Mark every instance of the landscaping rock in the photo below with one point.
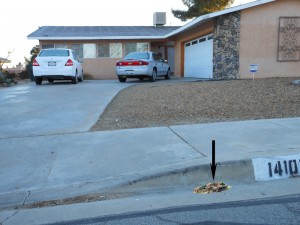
(296, 82)
(166, 104)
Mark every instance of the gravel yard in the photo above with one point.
(164, 104)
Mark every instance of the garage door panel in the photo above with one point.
(198, 59)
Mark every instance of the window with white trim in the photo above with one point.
(103, 50)
(136, 47)
(61, 46)
(130, 47)
(78, 49)
(47, 46)
(115, 50)
(89, 50)
(142, 47)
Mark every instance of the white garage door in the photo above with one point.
(198, 57)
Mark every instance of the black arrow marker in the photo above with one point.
(213, 166)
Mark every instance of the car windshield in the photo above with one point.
(138, 55)
(54, 52)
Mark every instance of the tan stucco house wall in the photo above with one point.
(259, 39)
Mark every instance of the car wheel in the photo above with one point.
(168, 75)
(153, 77)
(75, 79)
(122, 79)
(50, 80)
(38, 80)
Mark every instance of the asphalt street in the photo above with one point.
(254, 201)
(273, 211)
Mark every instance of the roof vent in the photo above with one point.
(159, 19)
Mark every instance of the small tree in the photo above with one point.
(200, 7)
(28, 62)
(34, 52)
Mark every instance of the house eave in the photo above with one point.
(99, 38)
(210, 16)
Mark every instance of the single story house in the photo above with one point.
(219, 45)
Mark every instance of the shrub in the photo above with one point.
(24, 75)
(6, 79)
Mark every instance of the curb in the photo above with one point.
(132, 184)
(241, 170)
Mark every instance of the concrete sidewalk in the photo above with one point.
(41, 168)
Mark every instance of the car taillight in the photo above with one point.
(132, 63)
(143, 63)
(69, 63)
(35, 63)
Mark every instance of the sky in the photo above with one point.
(19, 18)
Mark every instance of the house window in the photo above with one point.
(202, 39)
(74, 55)
(78, 49)
(136, 47)
(103, 50)
(89, 50)
(61, 46)
(110, 50)
(130, 47)
(142, 47)
(115, 50)
(47, 46)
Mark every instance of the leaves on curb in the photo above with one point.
(77, 199)
(211, 188)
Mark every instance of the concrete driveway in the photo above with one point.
(28, 110)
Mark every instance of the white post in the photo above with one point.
(253, 69)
